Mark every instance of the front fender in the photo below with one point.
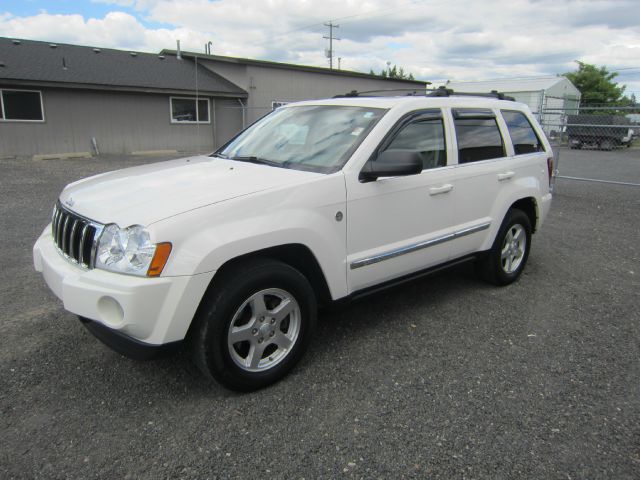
(204, 239)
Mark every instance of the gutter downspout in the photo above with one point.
(243, 112)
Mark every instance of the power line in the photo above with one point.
(331, 38)
(379, 10)
(362, 14)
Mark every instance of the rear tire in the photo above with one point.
(254, 325)
(606, 145)
(508, 255)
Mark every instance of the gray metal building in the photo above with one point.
(55, 99)
(60, 99)
(270, 84)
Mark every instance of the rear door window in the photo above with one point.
(478, 135)
(522, 134)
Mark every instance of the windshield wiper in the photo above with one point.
(219, 155)
(258, 160)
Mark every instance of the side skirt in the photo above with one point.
(365, 292)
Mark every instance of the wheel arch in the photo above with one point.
(530, 207)
(297, 255)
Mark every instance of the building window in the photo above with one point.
(478, 135)
(184, 110)
(276, 104)
(21, 105)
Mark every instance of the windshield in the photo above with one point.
(319, 138)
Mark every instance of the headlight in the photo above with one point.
(129, 250)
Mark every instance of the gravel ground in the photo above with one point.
(444, 378)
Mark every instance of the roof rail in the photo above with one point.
(438, 92)
(355, 93)
(447, 92)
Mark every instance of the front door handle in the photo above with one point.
(447, 187)
(505, 176)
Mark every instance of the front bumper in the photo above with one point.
(128, 346)
(151, 311)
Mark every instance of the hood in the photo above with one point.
(149, 193)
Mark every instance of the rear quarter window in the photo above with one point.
(523, 136)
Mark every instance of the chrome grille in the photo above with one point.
(74, 236)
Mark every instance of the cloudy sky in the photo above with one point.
(433, 39)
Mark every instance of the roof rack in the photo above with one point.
(447, 92)
(355, 93)
(438, 92)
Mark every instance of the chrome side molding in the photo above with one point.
(418, 246)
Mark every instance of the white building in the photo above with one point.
(549, 98)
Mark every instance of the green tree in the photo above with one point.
(597, 86)
(393, 72)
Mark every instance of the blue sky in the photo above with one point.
(433, 39)
(25, 8)
(88, 9)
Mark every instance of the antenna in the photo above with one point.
(331, 38)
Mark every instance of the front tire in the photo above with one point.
(254, 325)
(508, 255)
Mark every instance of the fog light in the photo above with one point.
(110, 311)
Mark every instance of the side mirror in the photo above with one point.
(392, 163)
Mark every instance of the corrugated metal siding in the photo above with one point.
(563, 88)
(532, 99)
(270, 84)
(265, 85)
(235, 73)
(228, 115)
(126, 122)
(120, 122)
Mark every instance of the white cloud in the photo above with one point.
(120, 3)
(434, 39)
(116, 30)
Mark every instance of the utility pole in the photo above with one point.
(331, 38)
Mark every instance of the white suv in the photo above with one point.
(318, 201)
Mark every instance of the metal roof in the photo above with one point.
(34, 62)
(292, 66)
(512, 84)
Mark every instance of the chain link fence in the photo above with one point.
(598, 145)
(601, 128)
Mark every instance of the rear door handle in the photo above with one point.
(505, 176)
(447, 187)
